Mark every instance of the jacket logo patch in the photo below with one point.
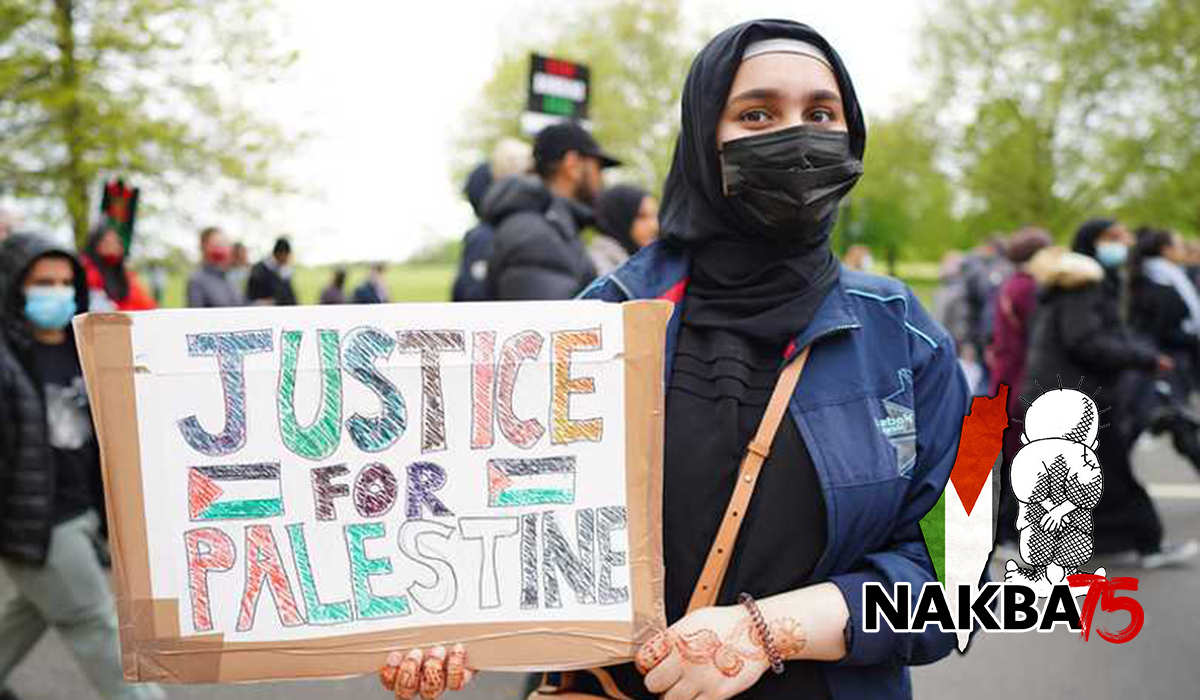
(899, 426)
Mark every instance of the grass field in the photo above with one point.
(408, 283)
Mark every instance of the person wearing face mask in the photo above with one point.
(627, 219)
(114, 287)
(49, 468)
(1079, 338)
(865, 393)
(209, 285)
(271, 279)
(537, 251)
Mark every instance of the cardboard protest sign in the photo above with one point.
(294, 492)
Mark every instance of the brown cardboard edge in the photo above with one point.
(105, 350)
(153, 650)
(645, 333)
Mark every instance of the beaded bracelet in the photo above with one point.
(764, 632)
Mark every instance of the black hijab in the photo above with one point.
(616, 210)
(116, 281)
(1088, 233)
(759, 287)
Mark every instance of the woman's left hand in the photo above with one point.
(710, 654)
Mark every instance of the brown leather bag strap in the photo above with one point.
(717, 562)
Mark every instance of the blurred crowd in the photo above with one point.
(1116, 313)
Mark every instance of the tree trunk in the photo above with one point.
(75, 196)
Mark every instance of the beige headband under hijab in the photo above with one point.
(783, 45)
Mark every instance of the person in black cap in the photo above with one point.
(271, 279)
(538, 253)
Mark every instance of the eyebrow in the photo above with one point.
(820, 95)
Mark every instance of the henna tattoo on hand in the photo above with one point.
(456, 668)
(744, 644)
(699, 647)
(746, 640)
(728, 661)
(387, 676)
(789, 637)
(433, 678)
(408, 678)
(705, 647)
(653, 652)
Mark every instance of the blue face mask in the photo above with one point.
(1112, 254)
(50, 308)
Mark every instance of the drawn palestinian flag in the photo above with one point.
(960, 529)
(529, 482)
(234, 492)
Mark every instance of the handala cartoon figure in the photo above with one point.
(1057, 481)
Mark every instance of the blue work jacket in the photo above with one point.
(880, 407)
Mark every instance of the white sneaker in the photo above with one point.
(1170, 554)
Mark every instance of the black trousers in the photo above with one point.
(1125, 518)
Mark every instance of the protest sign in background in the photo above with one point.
(296, 492)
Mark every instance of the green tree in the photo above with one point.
(1064, 109)
(902, 206)
(1160, 135)
(1033, 83)
(638, 54)
(145, 89)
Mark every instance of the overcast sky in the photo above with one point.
(383, 86)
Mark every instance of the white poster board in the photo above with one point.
(404, 473)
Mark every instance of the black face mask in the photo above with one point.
(789, 182)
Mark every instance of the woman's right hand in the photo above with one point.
(426, 674)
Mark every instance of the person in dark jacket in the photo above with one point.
(271, 279)
(1165, 308)
(509, 157)
(627, 218)
(1080, 339)
(470, 284)
(49, 463)
(373, 290)
(1013, 312)
(872, 427)
(538, 253)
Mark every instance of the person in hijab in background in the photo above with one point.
(1013, 312)
(1080, 340)
(113, 286)
(627, 217)
(772, 138)
(1165, 308)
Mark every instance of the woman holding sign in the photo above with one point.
(764, 581)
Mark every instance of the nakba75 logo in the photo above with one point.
(1057, 482)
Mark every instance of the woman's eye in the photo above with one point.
(754, 116)
(821, 116)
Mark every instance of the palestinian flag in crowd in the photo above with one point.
(118, 208)
(960, 529)
(234, 492)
